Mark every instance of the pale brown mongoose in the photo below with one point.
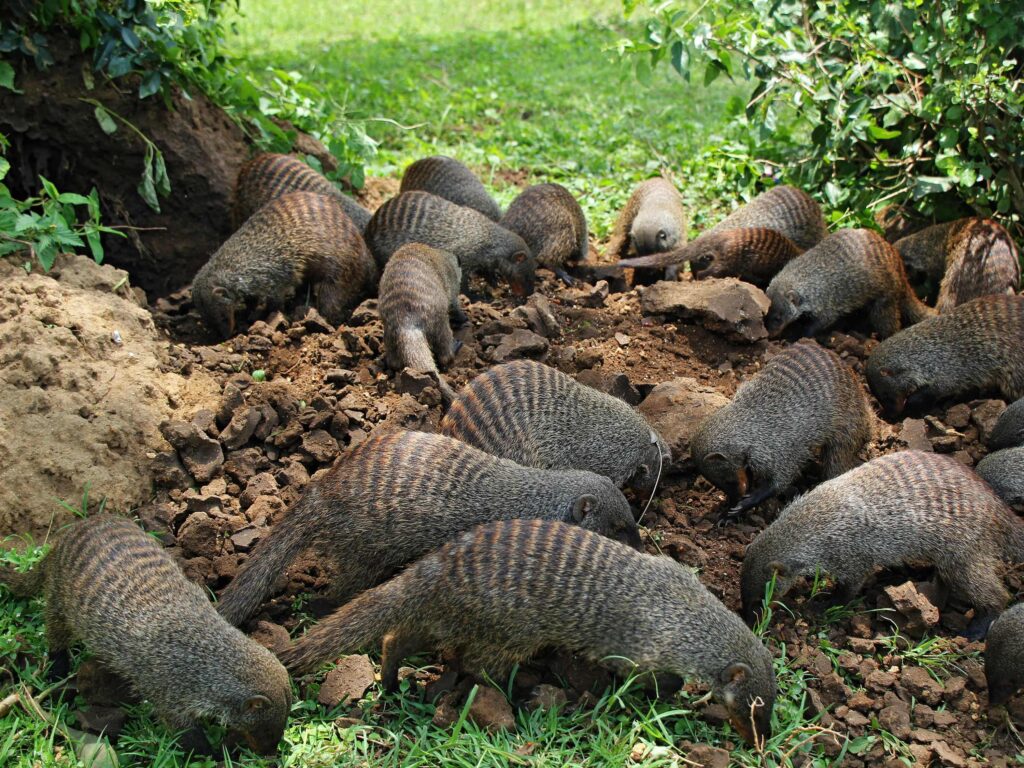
(905, 507)
(652, 221)
(501, 592)
(1004, 655)
(1004, 471)
(418, 291)
(753, 254)
(803, 401)
(852, 270)
(552, 223)
(268, 176)
(965, 259)
(480, 245)
(298, 238)
(111, 587)
(973, 348)
(397, 496)
(1009, 429)
(448, 178)
(538, 416)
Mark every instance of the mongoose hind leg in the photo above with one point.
(395, 647)
(442, 344)
(458, 316)
(331, 296)
(885, 317)
(977, 581)
(58, 642)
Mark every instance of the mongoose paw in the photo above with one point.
(456, 346)
(459, 318)
(978, 628)
(565, 277)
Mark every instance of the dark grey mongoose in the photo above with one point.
(113, 588)
(501, 592)
(552, 223)
(966, 258)
(295, 239)
(904, 507)
(1004, 471)
(397, 496)
(448, 178)
(1004, 655)
(805, 399)
(268, 176)
(418, 291)
(652, 221)
(1009, 429)
(538, 416)
(849, 271)
(973, 348)
(480, 245)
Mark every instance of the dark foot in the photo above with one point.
(459, 318)
(60, 666)
(456, 346)
(565, 277)
(194, 742)
(978, 628)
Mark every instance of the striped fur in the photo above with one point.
(804, 400)
(114, 589)
(418, 290)
(652, 221)
(300, 237)
(905, 507)
(853, 270)
(1009, 429)
(268, 176)
(501, 592)
(973, 348)
(753, 254)
(537, 416)
(551, 222)
(480, 245)
(397, 496)
(448, 178)
(1004, 655)
(1004, 471)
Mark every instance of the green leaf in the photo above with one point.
(51, 191)
(147, 189)
(150, 84)
(95, 246)
(72, 198)
(163, 181)
(5, 166)
(7, 77)
(105, 120)
(46, 252)
(877, 132)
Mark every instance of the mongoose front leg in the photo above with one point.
(459, 318)
(194, 742)
(749, 501)
(977, 629)
(564, 276)
(60, 665)
(394, 648)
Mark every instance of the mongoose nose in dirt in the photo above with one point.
(552, 223)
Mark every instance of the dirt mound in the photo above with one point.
(85, 380)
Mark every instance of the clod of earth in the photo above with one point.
(726, 305)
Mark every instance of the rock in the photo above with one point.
(539, 317)
(947, 755)
(446, 712)
(880, 681)
(985, 414)
(262, 484)
(914, 433)
(921, 685)
(320, 446)
(168, 470)
(491, 710)
(615, 384)
(959, 416)
(675, 408)
(708, 756)
(546, 696)
(919, 614)
(519, 343)
(247, 538)
(201, 454)
(199, 536)
(106, 720)
(231, 401)
(609, 273)
(586, 295)
(340, 377)
(365, 313)
(348, 681)
(896, 719)
(271, 636)
(622, 339)
(855, 719)
(241, 427)
(314, 322)
(412, 382)
(728, 306)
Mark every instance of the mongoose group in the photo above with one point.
(508, 531)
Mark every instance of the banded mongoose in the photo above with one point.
(301, 237)
(905, 507)
(538, 416)
(803, 401)
(268, 176)
(1004, 655)
(1009, 429)
(1004, 471)
(652, 221)
(973, 348)
(849, 271)
(552, 223)
(114, 589)
(418, 291)
(753, 254)
(480, 245)
(501, 592)
(966, 258)
(448, 178)
(397, 496)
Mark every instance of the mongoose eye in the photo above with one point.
(885, 372)
(662, 235)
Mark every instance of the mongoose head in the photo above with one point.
(747, 690)
(216, 303)
(728, 470)
(605, 511)
(259, 711)
(515, 262)
(789, 306)
(786, 571)
(656, 457)
(1009, 429)
(654, 231)
(708, 256)
(899, 378)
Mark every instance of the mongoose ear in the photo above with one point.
(778, 567)
(220, 291)
(793, 297)
(716, 456)
(736, 672)
(583, 506)
(256, 703)
(519, 258)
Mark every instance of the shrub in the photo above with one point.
(908, 102)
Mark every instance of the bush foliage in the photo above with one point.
(901, 101)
